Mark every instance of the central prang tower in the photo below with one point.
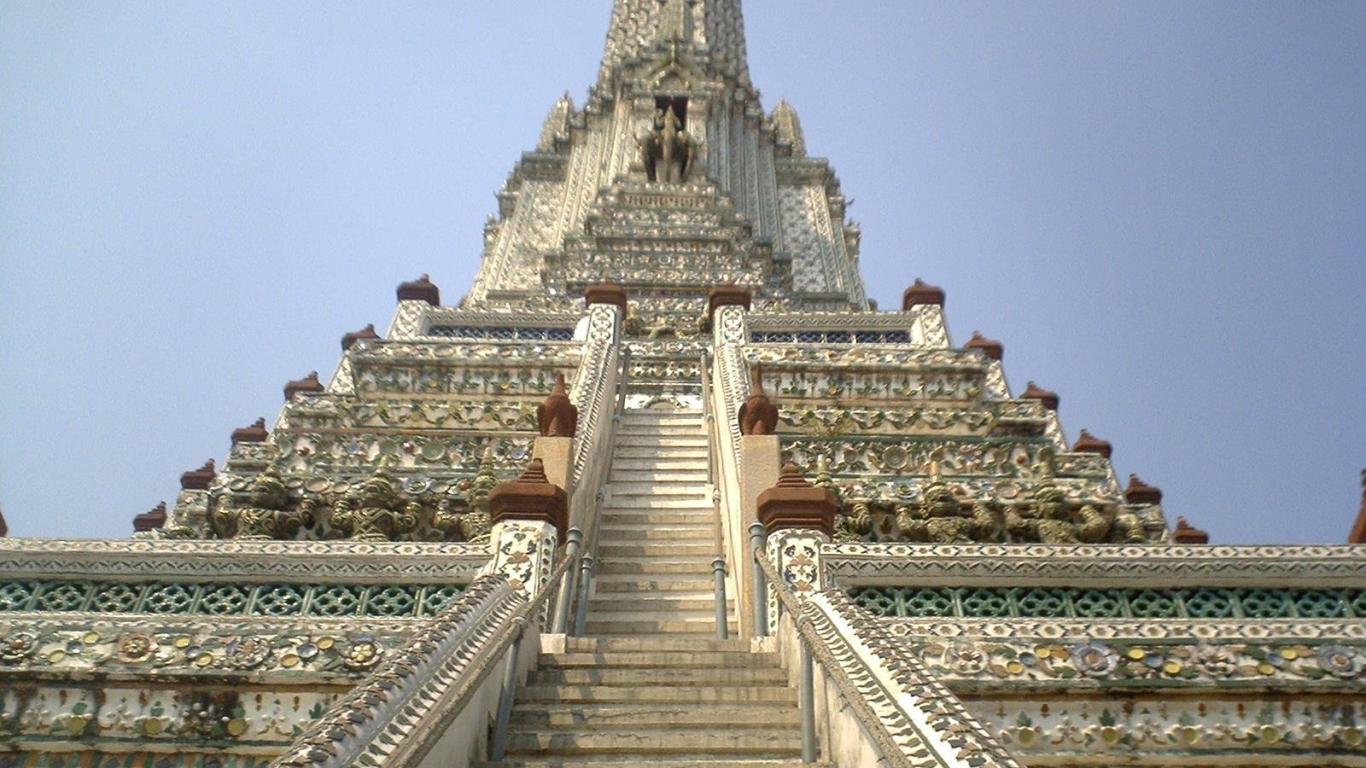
(666, 489)
(671, 181)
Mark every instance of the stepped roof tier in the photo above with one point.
(662, 488)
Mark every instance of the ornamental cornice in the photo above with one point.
(1119, 565)
(870, 356)
(778, 321)
(1178, 630)
(254, 651)
(458, 353)
(506, 317)
(352, 562)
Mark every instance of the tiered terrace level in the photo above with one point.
(666, 489)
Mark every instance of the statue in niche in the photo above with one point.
(265, 513)
(666, 150)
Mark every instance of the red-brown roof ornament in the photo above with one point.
(606, 293)
(758, 415)
(530, 497)
(253, 433)
(1357, 536)
(795, 503)
(307, 385)
(365, 334)
(1186, 534)
(557, 416)
(1139, 492)
(198, 479)
(4, 527)
(921, 292)
(151, 519)
(421, 289)
(1089, 443)
(990, 347)
(1048, 397)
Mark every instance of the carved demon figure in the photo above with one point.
(375, 510)
(265, 513)
(942, 518)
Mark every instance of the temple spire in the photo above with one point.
(712, 31)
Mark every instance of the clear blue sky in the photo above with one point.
(1159, 207)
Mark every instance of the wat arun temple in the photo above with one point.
(666, 488)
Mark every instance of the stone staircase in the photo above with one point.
(650, 684)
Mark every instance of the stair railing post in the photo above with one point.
(585, 583)
(499, 743)
(808, 706)
(760, 588)
(718, 569)
(572, 540)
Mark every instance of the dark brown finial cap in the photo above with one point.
(921, 292)
(1048, 397)
(4, 526)
(1356, 536)
(421, 289)
(990, 347)
(1139, 492)
(728, 296)
(151, 519)
(530, 497)
(793, 503)
(606, 293)
(365, 334)
(307, 385)
(1089, 443)
(198, 479)
(557, 416)
(1184, 533)
(253, 433)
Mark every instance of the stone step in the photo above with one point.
(632, 584)
(663, 517)
(609, 717)
(661, 430)
(656, 659)
(656, 464)
(690, 476)
(660, 441)
(770, 743)
(659, 491)
(689, 617)
(643, 502)
(656, 694)
(637, 414)
(655, 645)
(659, 453)
(693, 601)
(700, 625)
(650, 761)
(666, 549)
(651, 566)
(743, 676)
(702, 531)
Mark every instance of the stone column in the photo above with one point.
(798, 518)
(529, 516)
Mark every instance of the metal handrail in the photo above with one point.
(582, 577)
(718, 565)
(518, 625)
(813, 646)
